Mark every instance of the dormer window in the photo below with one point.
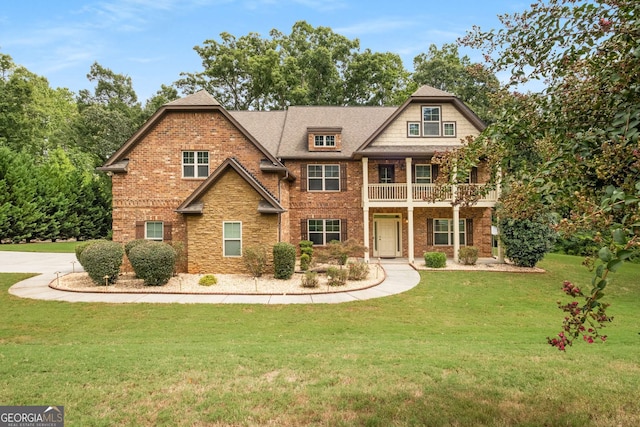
(324, 138)
(431, 121)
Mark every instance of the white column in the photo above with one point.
(456, 232)
(365, 206)
(410, 254)
(498, 193)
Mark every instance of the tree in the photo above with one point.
(584, 127)
(163, 96)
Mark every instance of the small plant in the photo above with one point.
(255, 259)
(310, 280)
(338, 252)
(153, 262)
(337, 276)
(102, 261)
(435, 259)
(284, 260)
(208, 280)
(468, 255)
(305, 261)
(358, 270)
(306, 247)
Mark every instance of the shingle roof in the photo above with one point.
(430, 91)
(200, 98)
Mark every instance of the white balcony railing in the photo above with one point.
(425, 192)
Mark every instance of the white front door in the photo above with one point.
(387, 237)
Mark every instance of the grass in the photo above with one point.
(57, 247)
(459, 349)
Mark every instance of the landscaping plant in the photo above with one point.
(435, 259)
(102, 261)
(284, 260)
(255, 259)
(153, 262)
(468, 255)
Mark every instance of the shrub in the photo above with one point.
(468, 255)
(337, 276)
(208, 280)
(526, 241)
(358, 270)
(80, 247)
(132, 244)
(284, 260)
(305, 260)
(306, 247)
(310, 279)
(102, 258)
(338, 252)
(255, 259)
(153, 262)
(435, 259)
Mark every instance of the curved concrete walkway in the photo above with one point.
(400, 278)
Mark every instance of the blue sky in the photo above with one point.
(152, 40)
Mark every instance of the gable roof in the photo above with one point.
(199, 101)
(193, 205)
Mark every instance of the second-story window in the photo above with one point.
(423, 174)
(323, 177)
(324, 140)
(195, 164)
(431, 121)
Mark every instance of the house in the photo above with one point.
(214, 181)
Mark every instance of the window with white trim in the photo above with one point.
(323, 231)
(413, 129)
(423, 174)
(323, 177)
(195, 164)
(449, 128)
(324, 141)
(232, 238)
(431, 121)
(154, 230)
(443, 232)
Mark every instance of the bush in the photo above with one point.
(208, 280)
(337, 276)
(435, 259)
(338, 252)
(284, 260)
(306, 247)
(102, 258)
(153, 262)
(305, 261)
(468, 255)
(526, 241)
(310, 280)
(80, 247)
(132, 244)
(255, 259)
(358, 270)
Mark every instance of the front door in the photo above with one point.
(386, 235)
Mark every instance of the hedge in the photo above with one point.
(153, 262)
(102, 258)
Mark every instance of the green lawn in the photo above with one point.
(459, 349)
(57, 247)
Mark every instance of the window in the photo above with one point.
(386, 174)
(232, 238)
(323, 177)
(413, 129)
(323, 231)
(325, 140)
(423, 174)
(449, 128)
(195, 164)
(431, 121)
(443, 232)
(153, 230)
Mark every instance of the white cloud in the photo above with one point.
(375, 27)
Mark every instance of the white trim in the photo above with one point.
(196, 164)
(231, 239)
(146, 230)
(323, 177)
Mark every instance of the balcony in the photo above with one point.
(426, 193)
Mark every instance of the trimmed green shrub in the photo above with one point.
(305, 260)
(526, 241)
(468, 255)
(337, 276)
(358, 270)
(153, 262)
(255, 259)
(102, 258)
(284, 260)
(208, 280)
(310, 279)
(435, 259)
(80, 247)
(133, 243)
(306, 247)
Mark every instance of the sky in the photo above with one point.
(152, 41)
